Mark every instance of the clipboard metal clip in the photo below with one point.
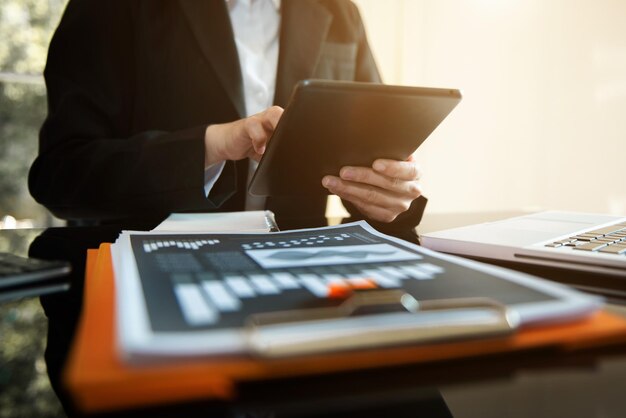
(376, 318)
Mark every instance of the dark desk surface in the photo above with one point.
(536, 384)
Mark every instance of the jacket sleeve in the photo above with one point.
(90, 163)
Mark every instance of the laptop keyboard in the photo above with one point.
(605, 240)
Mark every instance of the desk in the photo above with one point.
(532, 384)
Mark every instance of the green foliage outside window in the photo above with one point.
(26, 27)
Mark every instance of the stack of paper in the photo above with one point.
(183, 294)
(248, 221)
(207, 308)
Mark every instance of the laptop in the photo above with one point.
(591, 243)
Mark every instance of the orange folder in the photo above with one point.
(99, 379)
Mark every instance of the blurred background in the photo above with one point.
(541, 126)
(25, 30)
(543, 121)
(26, 27)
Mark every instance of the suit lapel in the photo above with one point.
(304, 26)
(211, 26)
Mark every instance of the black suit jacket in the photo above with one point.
(132, 85)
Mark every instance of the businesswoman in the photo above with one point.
(163, 106)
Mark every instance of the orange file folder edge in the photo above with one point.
(99, 380)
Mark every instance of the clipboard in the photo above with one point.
(186, 295)
(99, 380)
(433, 320)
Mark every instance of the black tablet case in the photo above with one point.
(331, 124)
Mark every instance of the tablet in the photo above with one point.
(331, 124)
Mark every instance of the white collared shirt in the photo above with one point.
(256, 26)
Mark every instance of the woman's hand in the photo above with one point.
(242, 138)
(381, 192)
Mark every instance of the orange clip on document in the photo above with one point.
(99, 380)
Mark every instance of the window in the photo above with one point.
(26, 27)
